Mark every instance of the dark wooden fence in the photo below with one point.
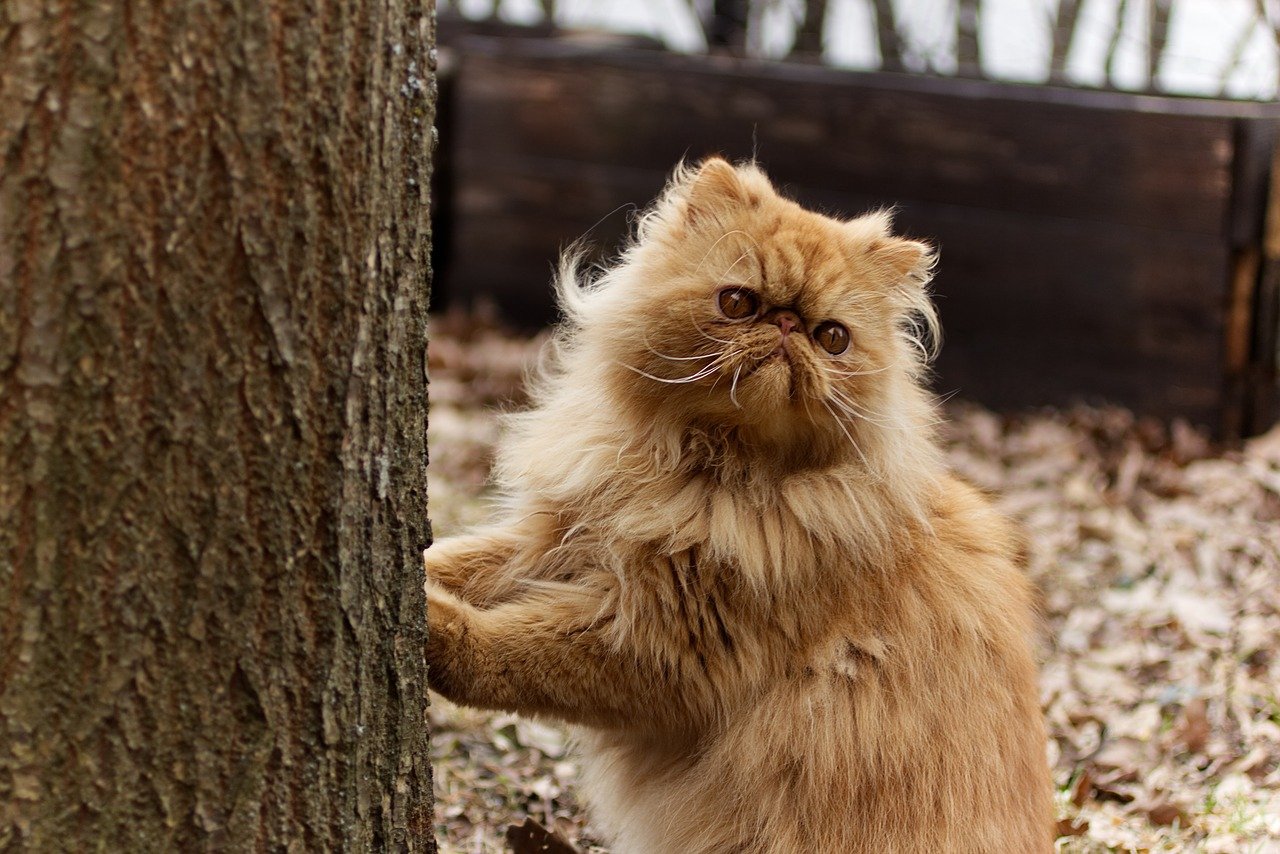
(1094, 245)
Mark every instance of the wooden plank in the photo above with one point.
(1036, 309)
(1251, 169)
(1264, 367)
(1238, 340)
(646, 109)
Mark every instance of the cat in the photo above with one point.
(732, 554)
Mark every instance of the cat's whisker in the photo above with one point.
(670, 358)
(807, 411)
(724, 236)
(844, 374)
(853, 410)
(704, 333)
(649, 346)
(701, 373)
(733, 387)
(856, 415)
(861, 407)
(899, 423)
(840, 423)
(725, 274)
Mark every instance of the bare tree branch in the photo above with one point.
(1113, 48)
(1272, 24)
(1239, 46)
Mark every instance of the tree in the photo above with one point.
(968, 38)
(213, 285)
(888, 36)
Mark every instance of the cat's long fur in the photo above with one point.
(782, 625)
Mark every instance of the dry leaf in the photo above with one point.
(1072, 827)
(533, 838)
(1166, 813)
(1082, 790)
(1193, 728)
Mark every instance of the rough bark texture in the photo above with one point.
(213, 286)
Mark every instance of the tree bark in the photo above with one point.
(213, 288)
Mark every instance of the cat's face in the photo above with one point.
(741, 308)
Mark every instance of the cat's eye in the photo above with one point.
(737, 303)
(832, 337)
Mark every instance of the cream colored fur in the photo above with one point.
(749, 577)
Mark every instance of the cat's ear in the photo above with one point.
(901, 261)
(904, 261)
(716, 189)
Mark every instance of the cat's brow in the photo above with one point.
(717, 243)
(731, 266)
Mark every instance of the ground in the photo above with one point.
(1158, 556)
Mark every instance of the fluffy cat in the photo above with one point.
(732, 553)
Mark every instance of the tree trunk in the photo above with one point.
(1158, 15)
(968, 38)
(809, 33)
(213, 287)
(727, 26)
(888, 37)
(1064, 31)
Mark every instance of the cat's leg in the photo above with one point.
(549, 655)
(474, 566)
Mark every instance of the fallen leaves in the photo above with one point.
(1158, 556)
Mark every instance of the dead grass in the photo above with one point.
(1159, 559)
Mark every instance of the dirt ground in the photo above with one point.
(1158, 555)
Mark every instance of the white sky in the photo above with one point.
(1014, 36)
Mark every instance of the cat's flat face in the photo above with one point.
(747, 310)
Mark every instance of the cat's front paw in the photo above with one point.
(445, 610)
(435, 563)
(447, 634)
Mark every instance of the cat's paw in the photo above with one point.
(446, 613)
(449, 563)
(435, 560)
(447, 637)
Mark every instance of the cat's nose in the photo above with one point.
(784, 320)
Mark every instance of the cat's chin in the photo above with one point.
(772, 385)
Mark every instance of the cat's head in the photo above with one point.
(736, 308)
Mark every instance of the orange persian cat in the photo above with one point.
(731, 552)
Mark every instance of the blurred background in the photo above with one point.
(1096, 172)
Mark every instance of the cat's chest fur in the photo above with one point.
(748, 582)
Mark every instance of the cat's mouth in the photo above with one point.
(780, 362)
